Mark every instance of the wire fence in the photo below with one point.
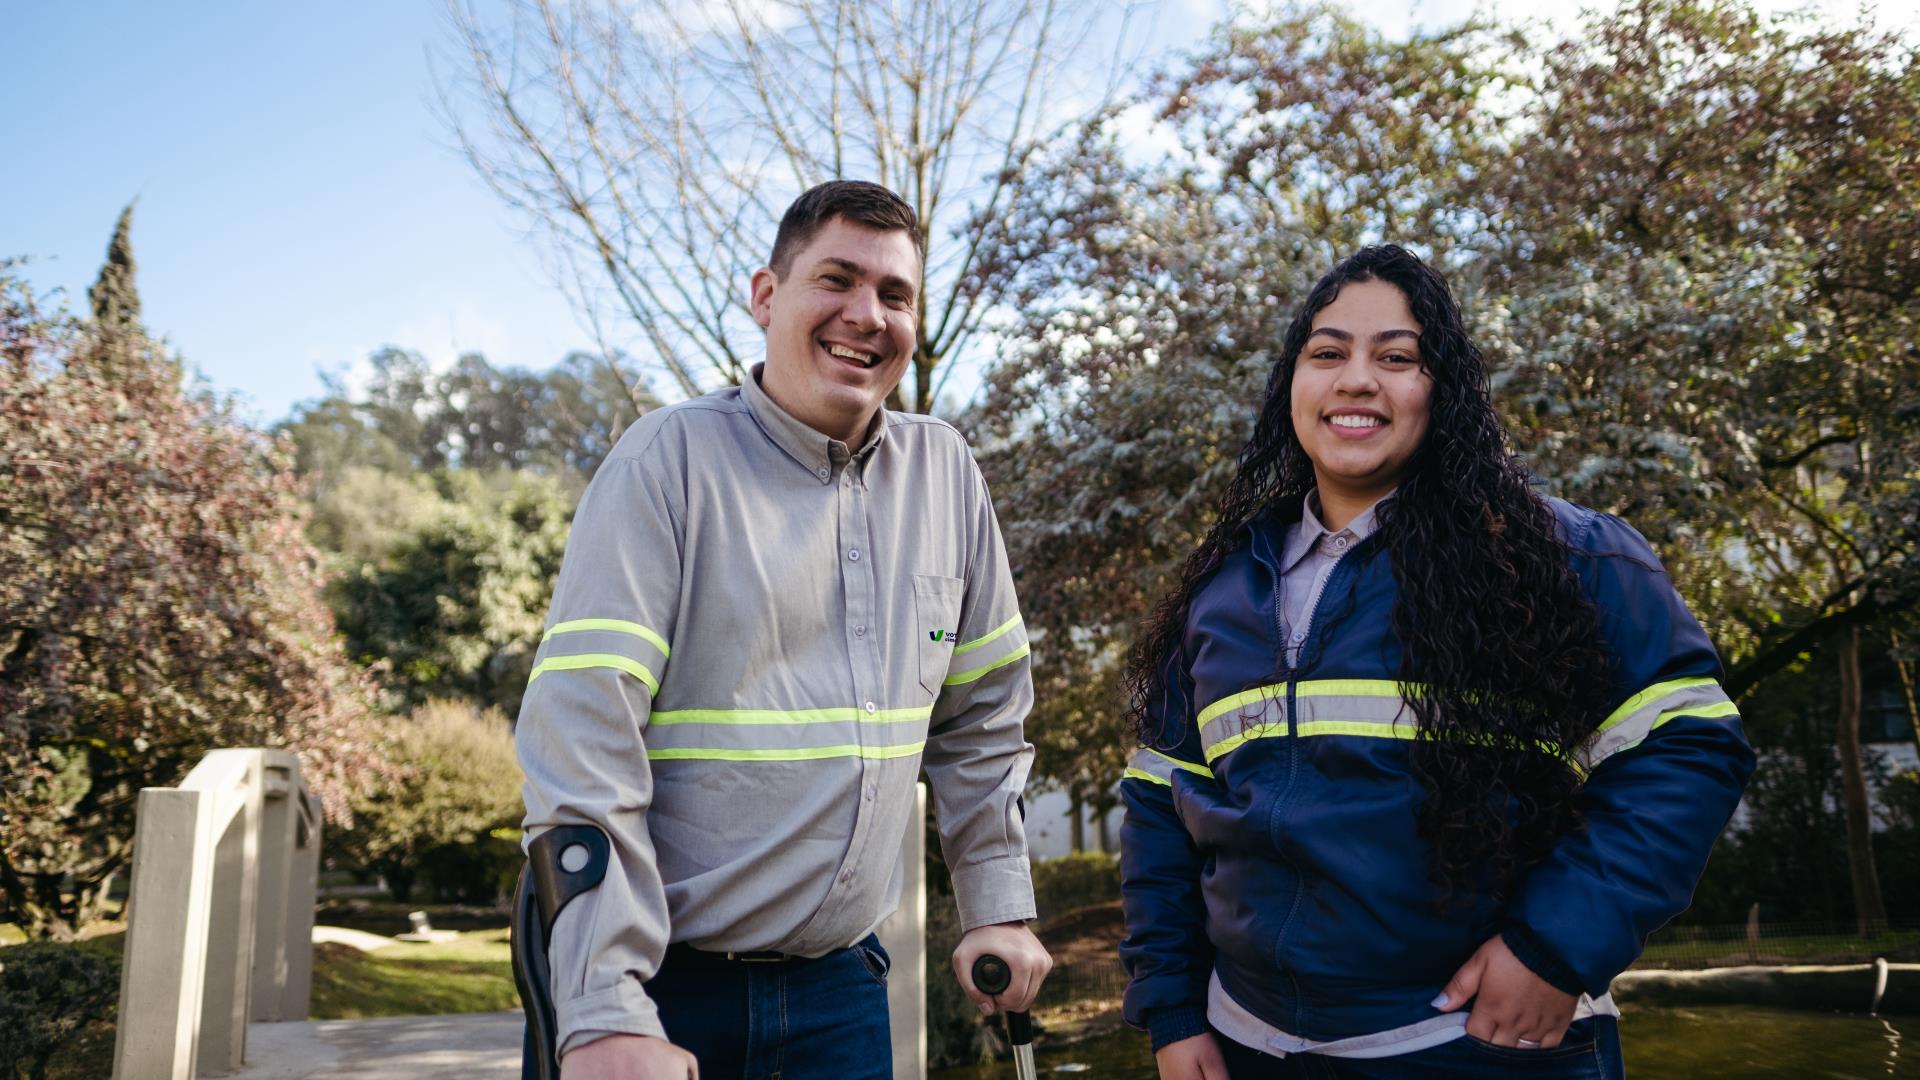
(1738, 944)
(1675, 947)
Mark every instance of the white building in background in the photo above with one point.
(1050, 826)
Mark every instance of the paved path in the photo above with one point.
(482, 1046)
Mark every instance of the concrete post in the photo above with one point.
(160, 980)
(226, 1000)
(196, 915)
(280, 931)
(904, 936)
(276, 855)
(303, 883)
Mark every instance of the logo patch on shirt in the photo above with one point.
(942, 637)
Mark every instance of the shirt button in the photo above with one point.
(859, 631)
(846, 875)
(824, 473)
(1340, 543)
(1299, 636)
(854, 554)
(872, 708)
(868, 793)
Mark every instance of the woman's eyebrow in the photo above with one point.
(1385, 335)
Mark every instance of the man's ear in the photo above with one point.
(761, 295)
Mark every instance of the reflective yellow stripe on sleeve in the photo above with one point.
(618, 626)
(1158, 768)
(1003, 645)
(583, 661)
(613, 644)
(1651, 709)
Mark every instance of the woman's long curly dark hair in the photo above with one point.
(1501, 659)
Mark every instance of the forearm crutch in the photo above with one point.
(562, 863)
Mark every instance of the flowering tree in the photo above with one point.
(157, 598)
(1151, 293)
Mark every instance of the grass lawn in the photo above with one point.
(1896, 945)
(473, 974)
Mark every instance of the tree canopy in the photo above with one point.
(157, 598)
(1685, 237)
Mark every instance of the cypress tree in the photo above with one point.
(115, 299)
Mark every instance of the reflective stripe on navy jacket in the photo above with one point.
(1276, 841)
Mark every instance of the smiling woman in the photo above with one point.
(1360, 397)
(1426, 755)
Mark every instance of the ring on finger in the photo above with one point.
(1526, 1044)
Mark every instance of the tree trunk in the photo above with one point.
(1905, 671)
(1870, 910)
(1078, 829)
(399, 878)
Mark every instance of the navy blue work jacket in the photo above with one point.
(1275, 845)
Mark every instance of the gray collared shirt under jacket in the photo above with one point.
(757, 640)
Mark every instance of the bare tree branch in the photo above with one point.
(662, 138)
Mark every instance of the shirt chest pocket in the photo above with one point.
(936, 615)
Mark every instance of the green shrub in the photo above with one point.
(955, 1035)
(452, 816)
(50, 994)
(1072, 881)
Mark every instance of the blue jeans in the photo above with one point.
(1590, 1051)
(779, 1020)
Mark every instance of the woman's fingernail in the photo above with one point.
(1441, 1001)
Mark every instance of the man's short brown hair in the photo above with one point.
(858, 201)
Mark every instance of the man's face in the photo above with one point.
(840, 325)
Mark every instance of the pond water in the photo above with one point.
(1714, 1043)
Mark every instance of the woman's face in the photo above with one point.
(1359, 392)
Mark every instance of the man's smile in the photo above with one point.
(844, 352)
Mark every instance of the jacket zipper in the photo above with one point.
(1293, 767)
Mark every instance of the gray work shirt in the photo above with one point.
(757, 640)
(1307, 558)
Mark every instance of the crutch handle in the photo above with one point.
(991, 975)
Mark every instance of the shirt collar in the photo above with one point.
(822, 456)
(1304, 537)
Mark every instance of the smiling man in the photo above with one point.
(779, 603)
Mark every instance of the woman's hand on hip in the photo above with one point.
(1196, 1058)
(1511, 1005)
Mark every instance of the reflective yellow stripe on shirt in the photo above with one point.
(786, 734)
(617, 626)
(583, 661)
(635, 666)
(974, 674)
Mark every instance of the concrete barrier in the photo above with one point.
(220, 919)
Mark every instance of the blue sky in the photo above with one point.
(299, 202)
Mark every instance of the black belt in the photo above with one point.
(678, 951)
